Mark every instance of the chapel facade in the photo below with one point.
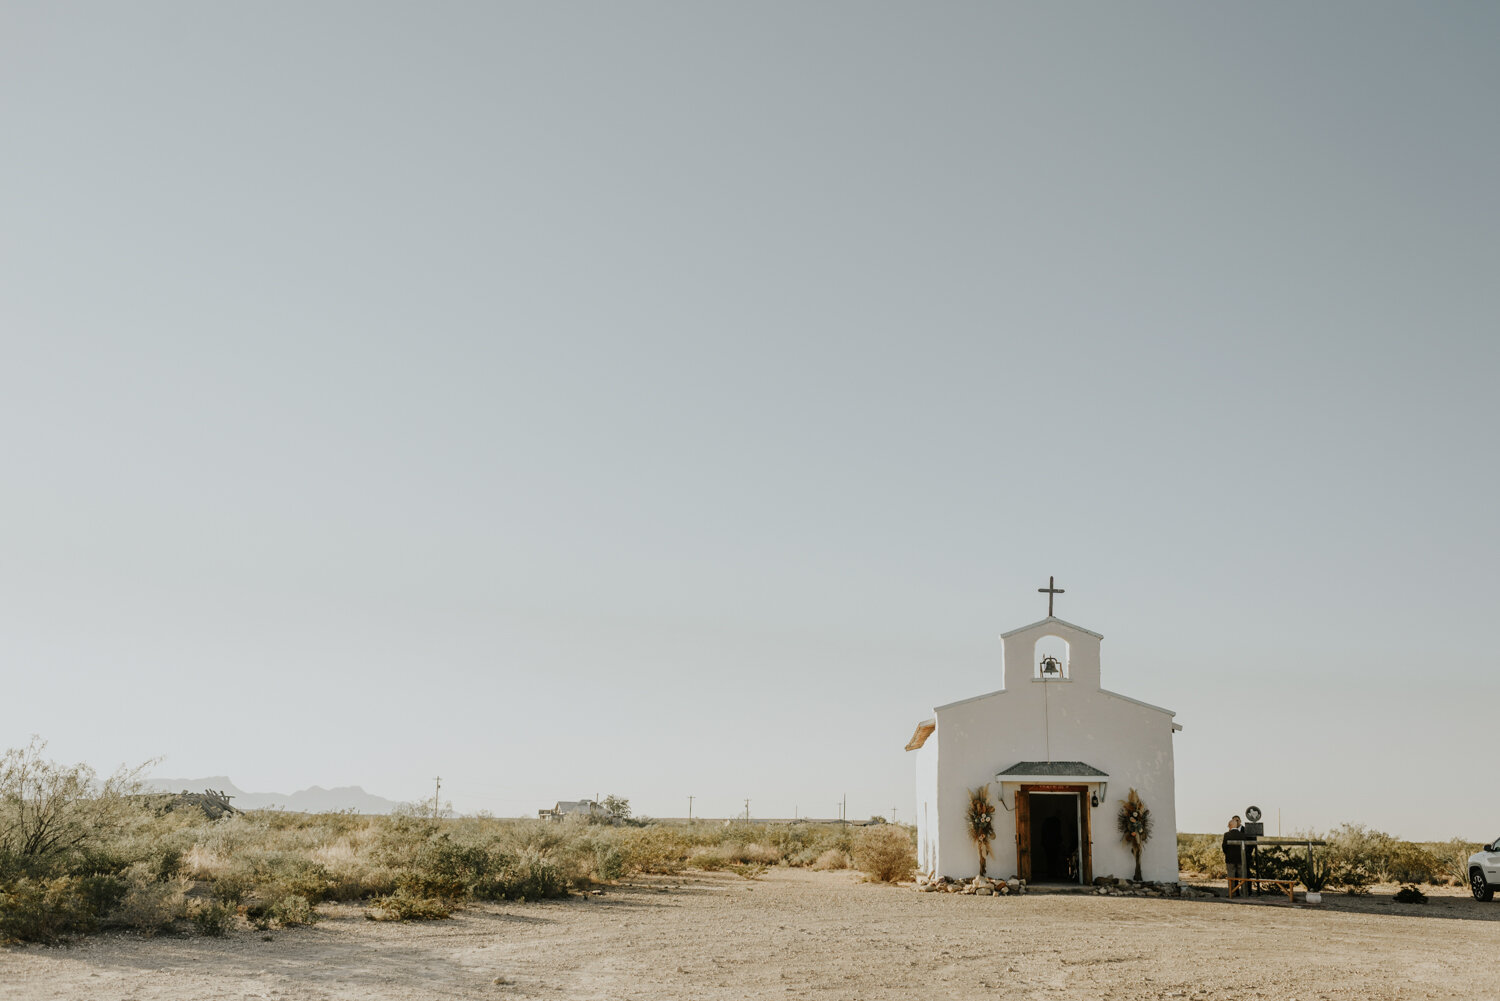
(1058, 753)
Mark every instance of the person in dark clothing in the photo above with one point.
(1231, 846)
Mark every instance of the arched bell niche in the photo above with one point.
(1049, 661)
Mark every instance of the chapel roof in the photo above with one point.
(1052, 620)
(1052, 769)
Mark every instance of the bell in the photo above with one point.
(1051, 665)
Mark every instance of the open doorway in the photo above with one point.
(1057, 843)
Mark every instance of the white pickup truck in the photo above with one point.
(1484, 871)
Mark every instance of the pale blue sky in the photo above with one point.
(670, 399)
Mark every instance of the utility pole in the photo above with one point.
(893, 814)
(436, 790)
(747, 809)
(844, 810)
(690, 807)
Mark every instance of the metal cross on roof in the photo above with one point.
(1050, 590)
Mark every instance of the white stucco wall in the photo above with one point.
(927, 805)
(1059, 720)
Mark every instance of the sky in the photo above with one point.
(669, 399)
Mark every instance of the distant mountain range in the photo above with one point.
(314, 799)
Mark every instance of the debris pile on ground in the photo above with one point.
(212, 802)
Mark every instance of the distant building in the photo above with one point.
(585, 808)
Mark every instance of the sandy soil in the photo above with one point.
(799, 934)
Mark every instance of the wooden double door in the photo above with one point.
(1054, 839)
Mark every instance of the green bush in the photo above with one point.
(709, 860)
(528, 875)
(33, 910)
(212, 917)
(285, 911)
(292, 910)
(102, 894)
(1386, 858)
(361, 882)
(231, 887)
(610, 862)
(280, 874)
(441, 869)
(1353, 877)
(1409, 863)
(150, 907)
(400, 907)
(655, 849)
(1276, 863)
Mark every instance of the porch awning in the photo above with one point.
(1051, 772)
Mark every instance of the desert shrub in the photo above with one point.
(285, 911)
(756, 853)
(49, 810)
(526, 875)
(1354, 878)
(885, 853)
(277, 874)
(1409, 894)
(231, 887)
(34, 910)
(150, 907)
(709, 860)
(557, 840)
(400, 907)
(163, 864)
(1453, 859)
(399, 837)
(442, 869)
(655, 849)
(610, 862)
(1410, 863)
(791, 840)
(748, 870)
(292, 910)
(831, 859)
(1202, 854)
(1387, 858)
(102, 893)
(211, 917)
(358, 882)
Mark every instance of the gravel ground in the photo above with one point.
(796, 934)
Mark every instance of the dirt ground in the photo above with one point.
(795, 934)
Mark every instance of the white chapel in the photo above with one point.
(1058, 752)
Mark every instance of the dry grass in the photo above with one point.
(273, 869)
